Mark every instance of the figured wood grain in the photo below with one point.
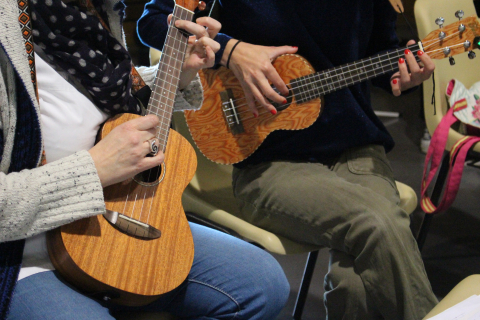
(210, 130)
(454, 39)
(95, 256)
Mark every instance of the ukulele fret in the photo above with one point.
(356, 72)
(353, 73)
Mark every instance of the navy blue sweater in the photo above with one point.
(327, 33)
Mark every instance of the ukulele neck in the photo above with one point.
(167, 79)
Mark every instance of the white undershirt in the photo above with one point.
(70, 122)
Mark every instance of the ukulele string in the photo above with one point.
(165, 117)
(151, 205)
(124, 212)
(143, 203)
(400, 50)
(425, 44)
(162, 116)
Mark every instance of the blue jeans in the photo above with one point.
(229, 279)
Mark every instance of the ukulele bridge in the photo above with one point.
(230, 112)
(131, 226)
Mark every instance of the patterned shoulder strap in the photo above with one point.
(26, 26)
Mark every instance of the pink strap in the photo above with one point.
(433, 160)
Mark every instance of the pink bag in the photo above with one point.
(465, 108)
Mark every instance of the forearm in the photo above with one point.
(37, 200)
(152, 26)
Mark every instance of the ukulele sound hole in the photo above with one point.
(151, 177)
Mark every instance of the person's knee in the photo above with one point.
(250, 276)
(375, 228)
(269, 287)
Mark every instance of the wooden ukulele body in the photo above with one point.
(210, 130)
(97, 257)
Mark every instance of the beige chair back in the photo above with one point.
(465, 70)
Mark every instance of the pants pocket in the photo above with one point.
(370, 160)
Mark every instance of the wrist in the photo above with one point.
(228, 50)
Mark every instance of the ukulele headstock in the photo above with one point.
(458, 37)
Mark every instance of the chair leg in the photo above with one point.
(436, 194)
(305, 285)
(422, 234)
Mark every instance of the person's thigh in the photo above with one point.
(369, 167)
(44, 296)
(308, 201)
(229, 279)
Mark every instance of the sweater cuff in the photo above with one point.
(70, 189)
(190, 98)
(222, 39)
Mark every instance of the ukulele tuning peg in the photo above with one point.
(461, 27)
(471, 55)
(447, 51)
(452, 61)
(467, 44)
(459, 14)
(439, 22)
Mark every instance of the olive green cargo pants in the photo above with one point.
(350, 206)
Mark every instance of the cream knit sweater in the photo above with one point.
(37, 200)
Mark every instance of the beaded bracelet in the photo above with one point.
(231, 51)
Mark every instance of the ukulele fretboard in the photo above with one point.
(166, 82)
(318, 84)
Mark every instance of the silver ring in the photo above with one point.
(153, 147)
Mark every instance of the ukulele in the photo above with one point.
(142, 246)
(225, 130)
